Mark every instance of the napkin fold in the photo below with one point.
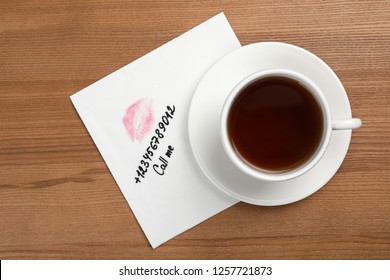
(137, 117)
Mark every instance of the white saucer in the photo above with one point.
(205, 110)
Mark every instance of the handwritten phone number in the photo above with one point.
(154, 144)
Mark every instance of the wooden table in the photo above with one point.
(59, 201)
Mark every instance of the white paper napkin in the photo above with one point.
(137, 117)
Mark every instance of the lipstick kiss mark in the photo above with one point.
(139, 119)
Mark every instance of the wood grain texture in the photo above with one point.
(57, 197)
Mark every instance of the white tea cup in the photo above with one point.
(328, 124)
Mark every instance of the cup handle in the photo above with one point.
(346, 124)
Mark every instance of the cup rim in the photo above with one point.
(268, 176)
